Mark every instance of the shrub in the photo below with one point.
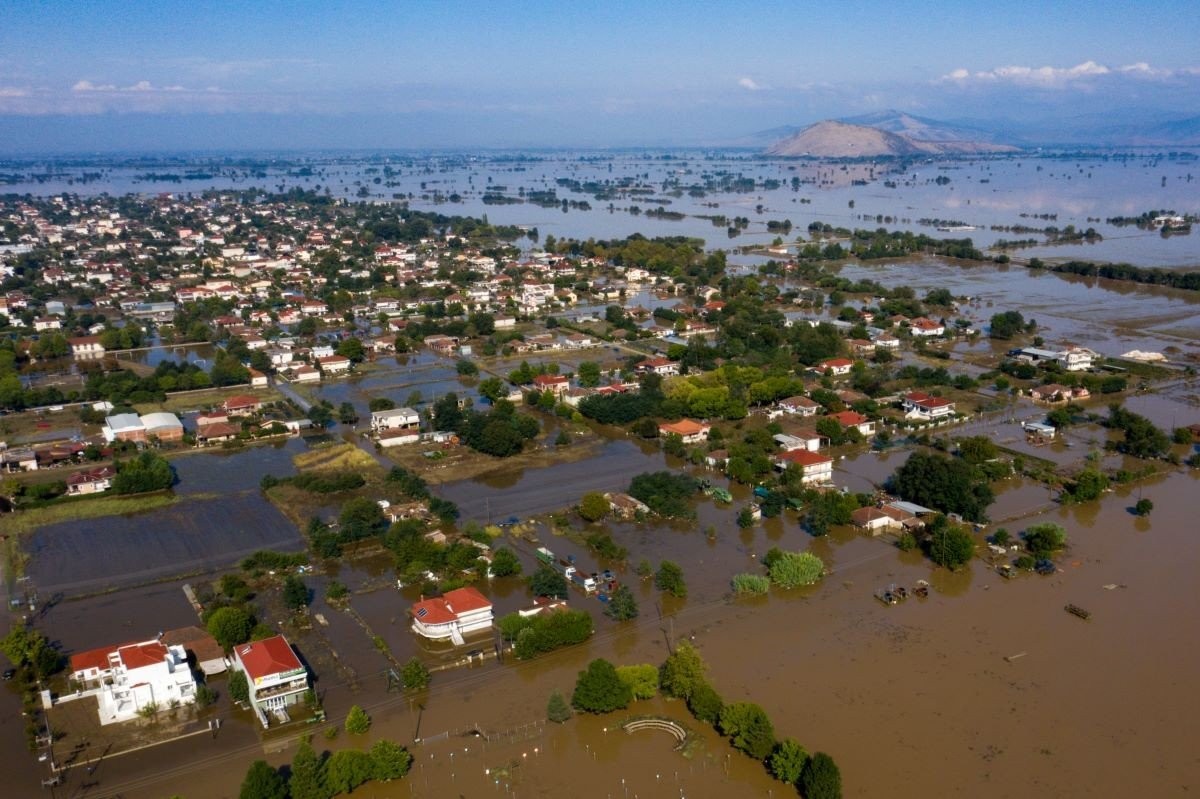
(642, 680)
(389, 761)
(794, 569)
(751, 584)
(557, 709)
(357, 721)
(669, 578)
(821, 778)
(347, 769)
(787, 761)
(748, 729)
(705, 703)
(239, 688)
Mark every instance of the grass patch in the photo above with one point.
(191, 400)
(26, 521)
(337, 456)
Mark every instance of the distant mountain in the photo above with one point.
(842, 139)
(923, 128)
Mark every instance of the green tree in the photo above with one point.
(948, 484)
(466, 368)
(787, 761)
(793, 569)
(239, 687)
(361, 517)
(1043, 540)
(669, 578)
(748, 729)
(353, 349)
(1089, 485)
(230, 626)
(642, 680)
(622, 605)
(381, 404)
(600, 690)
(347, 769)
(1143, 507)
(745, 518)
(149, 471)
(505, 563)
(593, 506)
(547, 582)
(26, 647)
(821, 778)
(589, 374)
(295, 593)
(262, 781)
(357, 721)
(683, 671)
(949, 545)
(415, 675)
(389, 761)
(557, 709)
(492, 388)
(307, 780)
(705, 703)
(347, 413)
(1006, 325)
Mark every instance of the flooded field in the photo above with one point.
(1110, 317)
(192, 535)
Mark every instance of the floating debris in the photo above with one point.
(1075, 610)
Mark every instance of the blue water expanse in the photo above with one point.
(1080, 190)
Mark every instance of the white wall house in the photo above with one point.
(454, 615)
(276, 677)
(818, 469)
(397, 426)
(918, 405)
(130, 678)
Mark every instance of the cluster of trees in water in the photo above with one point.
(605, 688)
(1189, 281)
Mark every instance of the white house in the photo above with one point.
(873, 520)
(1076, 359)
(133, 677)
(836, 366)
(276, 677)
(397, 426)
(334, 364)
(924, 326)
(818, 469)
(799, 406)
(453, 615)
(918, 405)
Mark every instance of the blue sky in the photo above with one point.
(233, 74)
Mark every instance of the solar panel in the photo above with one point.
(421, 613)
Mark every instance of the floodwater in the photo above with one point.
(982, 192)
(1108, 316)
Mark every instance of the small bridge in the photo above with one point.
(657, 723)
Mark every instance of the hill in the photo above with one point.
(834, 139)
(923, 128)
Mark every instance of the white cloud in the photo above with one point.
(12, 91)
(750, 84)
(1059, 77)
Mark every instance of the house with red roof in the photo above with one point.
(848, 419)
(691, 431)
(92, 481)
(241, 405)
(129, 678)
(453, 615)
(558, 384)
(836, 366)
(275, 676)
(918, 405)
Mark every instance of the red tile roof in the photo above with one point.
(448, 607)
(848, 418)
(804, 458)
(136, 656)
(92, 659)
(266, 657)
(684, 427)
